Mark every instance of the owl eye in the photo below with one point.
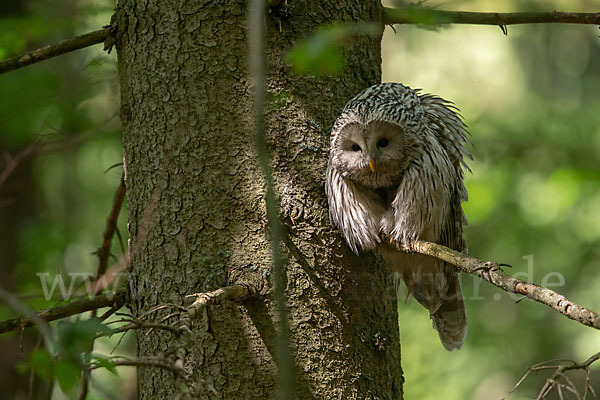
(382, 143)
(355, 147)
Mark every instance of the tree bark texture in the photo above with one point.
(195, 198)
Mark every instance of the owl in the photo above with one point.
(395, 173)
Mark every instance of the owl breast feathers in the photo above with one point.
(395, 171)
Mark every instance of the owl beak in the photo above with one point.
(372, 166)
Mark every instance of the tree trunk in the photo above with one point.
(196, 210)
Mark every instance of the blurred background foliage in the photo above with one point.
(59, 132)
(531, 102)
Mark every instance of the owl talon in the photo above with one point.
(489, 266)
(292, 218)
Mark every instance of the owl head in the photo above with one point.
(386, 127)
(373, 153)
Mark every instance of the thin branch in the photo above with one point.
(111, 226)
(492, 272)
(195, 311)
(116, 299)
(13, 162)
(141, 362)
(139, 325)
(428, 16)
(256, 58)
(233, 292)
(29, 314)
(53, 50)
(558, 375)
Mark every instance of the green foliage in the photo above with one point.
(42, 363)
(16, 33)
(320, 54)
(67, 374)
(530, 100)
(105, 363)
(75, 338)
(58, 121)
(73, 353)
(534, 198)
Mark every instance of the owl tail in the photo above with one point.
(450, 319)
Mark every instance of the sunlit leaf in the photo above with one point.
(320, 54)
(105, 363)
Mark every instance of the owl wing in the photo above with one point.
(444, 119)
(450, 319)
(428, 207)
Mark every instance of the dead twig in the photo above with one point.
(559, 380)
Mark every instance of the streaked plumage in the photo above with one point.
(395, 170)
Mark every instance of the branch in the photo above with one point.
(183, 331)
(53, 50)
(76, 307)
(559, 374)
(427, 16)
(111, 226)
(22, 309)
(233, 292)
(491, 272)
(141, 362)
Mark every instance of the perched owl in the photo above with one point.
(395, 172)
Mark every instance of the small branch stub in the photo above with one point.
(233, 292)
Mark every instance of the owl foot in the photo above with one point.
(491, 265)
(385, 238)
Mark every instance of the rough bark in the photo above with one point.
(196, 209)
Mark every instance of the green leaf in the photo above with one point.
(67, 374)
(41, 362)
(320, 54)
(22, 367)
(76, 337)
(106, 364)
